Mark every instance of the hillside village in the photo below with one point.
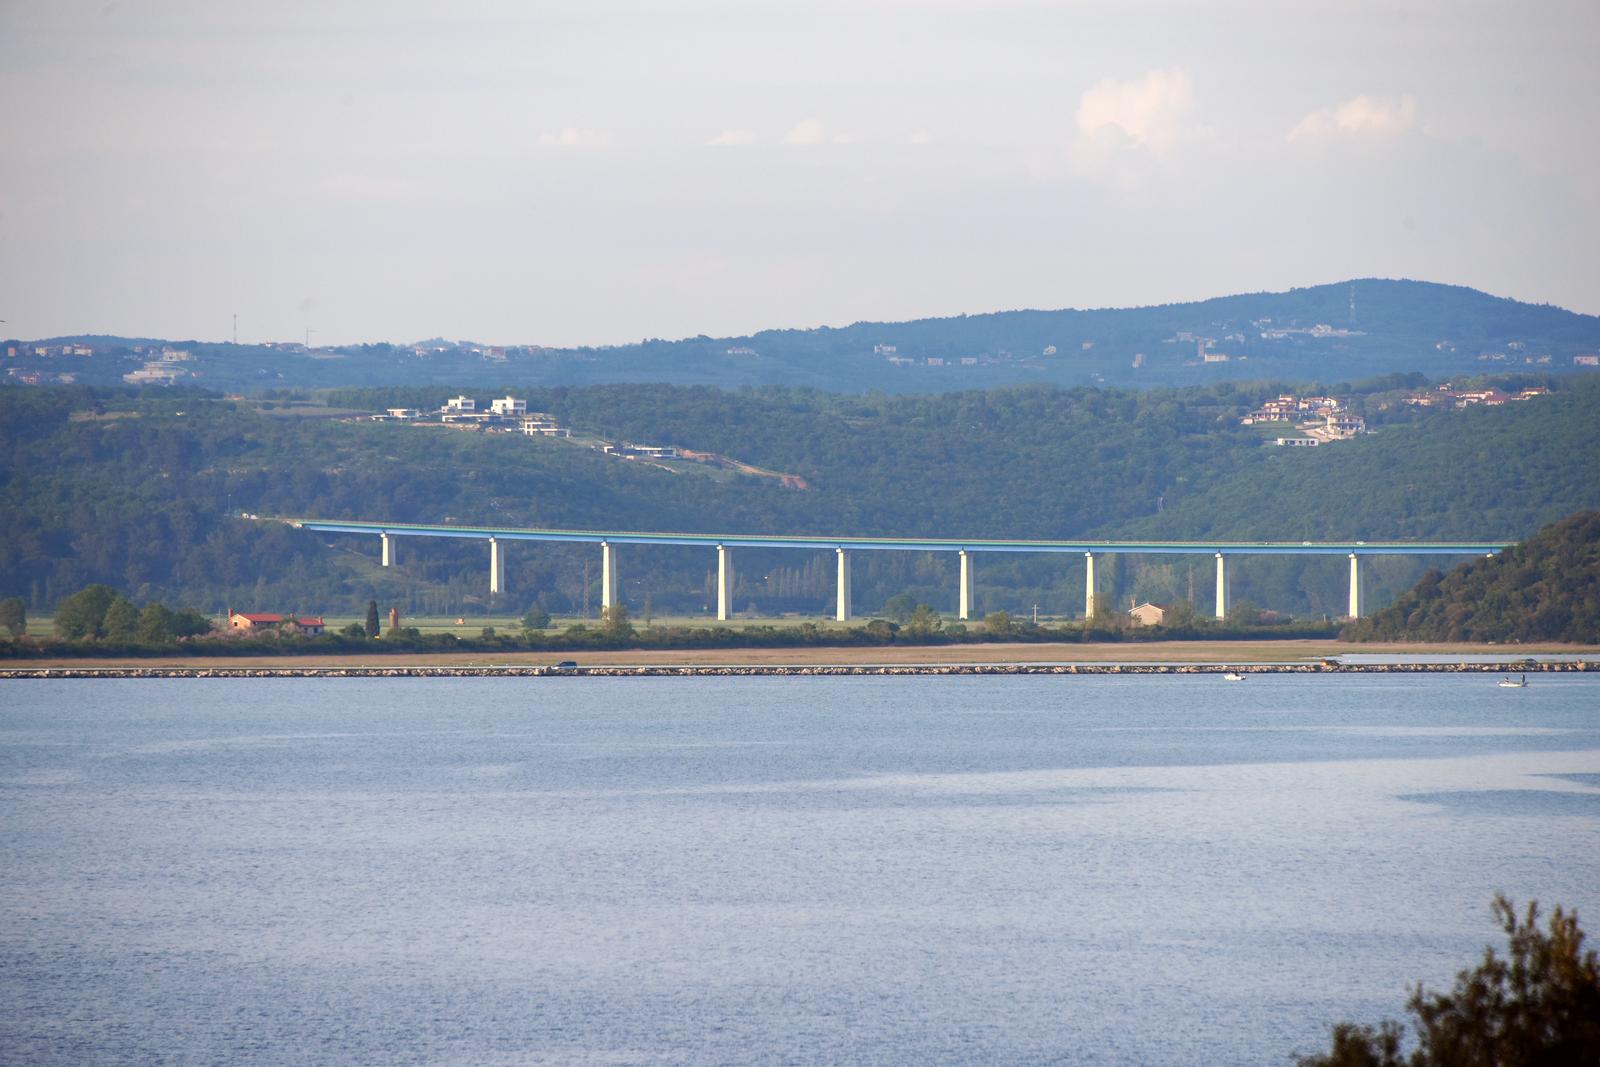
(1323, 419)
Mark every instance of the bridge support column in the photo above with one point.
(841, 611)
(964, 610)
(1358, 588)
(1224, 587)
(608, 577)
(388, 551)
(1088, 585)
(724, 583)
(497, 566)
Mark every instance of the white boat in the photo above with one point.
(1233, 676)
(1514, 683)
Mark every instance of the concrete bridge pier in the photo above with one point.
(1358, 588)
(497, 566)
(841, 611)
(964, 611)
(724, 583)
(388, 551)
(1224, 588)
(1088, 585)
(608, 577)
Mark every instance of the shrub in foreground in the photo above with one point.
(1538, 1007)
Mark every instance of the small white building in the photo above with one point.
(509, 407)
(404, 413)
(1297, 442)
(459, 405)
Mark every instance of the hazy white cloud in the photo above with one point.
(919, 137)
(733, 137)
(1155, 112)
(1362, 117)
(806, 132)
(573, 137)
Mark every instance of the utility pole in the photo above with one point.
(309, 332)
(235, 327)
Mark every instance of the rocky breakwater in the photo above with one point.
(788, 670)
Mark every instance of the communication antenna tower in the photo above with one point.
(1352, 304)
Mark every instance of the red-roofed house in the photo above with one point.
(247, 622)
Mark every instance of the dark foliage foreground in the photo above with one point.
(1538, 1007)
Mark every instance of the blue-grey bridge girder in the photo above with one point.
(912, 544)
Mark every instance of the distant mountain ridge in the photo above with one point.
(1351, 329)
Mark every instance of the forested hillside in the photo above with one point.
(1353, 329)
(1546, 589)
(144, 493)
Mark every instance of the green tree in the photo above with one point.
(372, 628)
(900, 607)
(355, 629)
(14, 615)
(82, 615)
(189, 623)
(536, 619)
(881, 630)
(154, 626)
(999, 623)
(1243, 613)
(1180, 616)
(1539, 1006)
(615, 623)
(121, 621)
(924, 621)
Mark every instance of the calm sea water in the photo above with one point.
(1128, 870)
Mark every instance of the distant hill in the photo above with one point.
(1546, 589)
(1327, 333)
(144, 492)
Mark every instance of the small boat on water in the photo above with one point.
(1520, 682)
(1233, 676)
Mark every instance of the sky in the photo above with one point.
(598, 171)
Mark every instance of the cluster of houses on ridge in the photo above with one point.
(1321, 419)
(509, 414)
(1449, 398)
(1318, 418)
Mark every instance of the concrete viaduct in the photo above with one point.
(609, 540)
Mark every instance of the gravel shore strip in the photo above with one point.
(792, 670)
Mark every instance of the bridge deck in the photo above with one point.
(913, 544)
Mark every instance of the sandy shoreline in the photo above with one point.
(941, 658)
